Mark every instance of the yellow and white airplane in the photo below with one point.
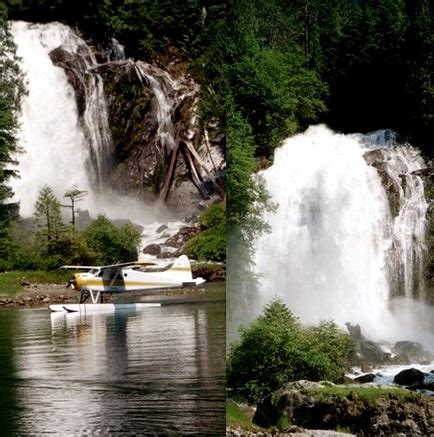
(118, 278)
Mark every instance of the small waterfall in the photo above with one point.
(337, 249)
(409, 226)
(169, 94)
(165, 104)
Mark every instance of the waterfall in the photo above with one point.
(165, 105)
(60, 149)
(338, 249)
(64, 130)
(169, 94)
(53, 143)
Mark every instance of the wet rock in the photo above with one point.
(161, 229)
(28, 299)
(400, 360)
(165, 255)
(371, 352)
(413, 350)
(279, 404)
(182, 236)
(366, 351)
(46, 300)
(152, 249)
(363, 379)
(409, 377)
(25, 283)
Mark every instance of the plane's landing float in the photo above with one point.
(118, 278)
(91, 308)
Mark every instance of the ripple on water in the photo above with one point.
(157, 371)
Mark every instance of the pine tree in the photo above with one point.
(11, 90)
(74, 195)
(50, 227)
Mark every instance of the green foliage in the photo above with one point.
(277, 93)
(368, 395)
(210, 243)
(11, 90)
(74, 194)
(10, 282)
(235, 417)
(111, 244)
(276, 349)
(51, 231)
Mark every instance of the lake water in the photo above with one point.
(156, 371)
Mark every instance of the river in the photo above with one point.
(158, 371)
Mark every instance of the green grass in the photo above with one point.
(369, 395)
(237, 418)
(10, 282)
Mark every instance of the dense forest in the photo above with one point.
(267, 70)
(356, 65)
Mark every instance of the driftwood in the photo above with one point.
(198, 159)
(195, 175)
(166, 187)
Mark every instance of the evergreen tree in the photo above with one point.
(50, 227)
(11, 90)
(74, 195)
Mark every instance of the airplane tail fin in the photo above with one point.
(181, 269)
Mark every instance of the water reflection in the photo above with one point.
(155, 371)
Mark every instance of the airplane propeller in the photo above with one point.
(71, 283)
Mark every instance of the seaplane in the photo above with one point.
(96, 281)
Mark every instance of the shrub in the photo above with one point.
(210, 243)
(111, 244)
(276, 349)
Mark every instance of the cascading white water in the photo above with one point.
(54, 144)
(409, 226)
(335, 244)
(165, 106)
(59, 148)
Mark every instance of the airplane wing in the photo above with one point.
(112, 266)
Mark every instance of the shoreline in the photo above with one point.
(41, 295)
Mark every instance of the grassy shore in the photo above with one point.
(237, 418)
(11, 283)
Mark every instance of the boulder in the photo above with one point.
(161, 229)
(182, 236)
(363, 379)
(314, 408)
(367, 352)
(281, 403)
(400, 360)
(371, 352)
(152, 249)
(413, 350)
(409, 377)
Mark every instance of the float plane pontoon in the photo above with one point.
(118, 278)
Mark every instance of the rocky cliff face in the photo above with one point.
(158, 145)
(410, 192)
